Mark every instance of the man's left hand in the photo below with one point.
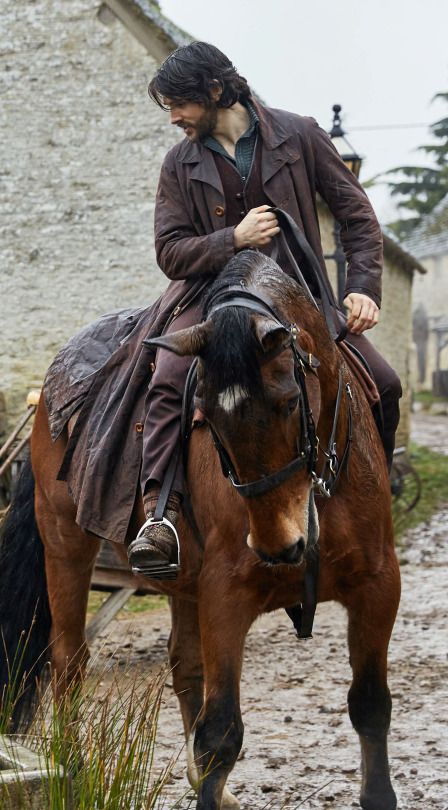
(363, 313)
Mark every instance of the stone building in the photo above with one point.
(80, 151)
(429, 243)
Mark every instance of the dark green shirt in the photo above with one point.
(244, 147)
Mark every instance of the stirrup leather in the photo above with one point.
(158, 569)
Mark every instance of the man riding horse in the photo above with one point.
(238, 160)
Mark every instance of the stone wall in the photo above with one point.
(80, 151)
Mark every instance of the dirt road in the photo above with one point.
(298, 738)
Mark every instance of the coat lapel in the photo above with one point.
(278, 147)
(202, 166)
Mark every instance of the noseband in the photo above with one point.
(308, 443)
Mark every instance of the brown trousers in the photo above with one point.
(164, 402)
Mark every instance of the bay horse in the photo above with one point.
(283, 416)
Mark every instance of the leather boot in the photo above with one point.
(155, 552)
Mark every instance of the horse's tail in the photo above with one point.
(25, 619)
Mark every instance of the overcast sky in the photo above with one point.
(382, 60)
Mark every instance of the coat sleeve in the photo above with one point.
(361, 234)
(182, 252)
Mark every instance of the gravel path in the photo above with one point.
(431, 431)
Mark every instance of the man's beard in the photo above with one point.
(204, 126)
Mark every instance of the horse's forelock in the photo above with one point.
(231, 359)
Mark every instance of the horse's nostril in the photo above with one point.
(294, 552)
(289, 556)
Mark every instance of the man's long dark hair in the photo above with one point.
(189, 73)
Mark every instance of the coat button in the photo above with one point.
(239, 195)
(152, 367)
(242, 213)
(176, 311)
(139, 427)
(219, 211)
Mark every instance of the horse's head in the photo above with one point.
(260, 394)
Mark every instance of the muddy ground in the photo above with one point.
(299, 747)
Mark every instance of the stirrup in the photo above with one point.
(158, 569)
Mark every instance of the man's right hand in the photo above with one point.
(256, 229)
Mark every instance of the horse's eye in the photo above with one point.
(292, 404)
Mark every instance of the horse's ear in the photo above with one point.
(192, 340)
(269, 333)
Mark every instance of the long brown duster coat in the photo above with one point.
(193, 244)
(298, 160)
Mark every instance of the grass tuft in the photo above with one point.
(97, 747)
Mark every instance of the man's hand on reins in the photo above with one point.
(257, 228)
(363, 313)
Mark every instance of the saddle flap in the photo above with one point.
(358, 366)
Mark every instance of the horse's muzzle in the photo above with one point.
(292, 555)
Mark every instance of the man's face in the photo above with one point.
(195, 119)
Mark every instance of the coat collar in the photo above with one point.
(272, 131)
(276, 147)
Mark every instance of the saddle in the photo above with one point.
(360, 369)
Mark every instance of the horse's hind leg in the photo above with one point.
(372, 610)
(69, 560)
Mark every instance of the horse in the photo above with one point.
(304, 474)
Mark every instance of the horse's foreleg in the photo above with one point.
(225, 617)
(371, 618)
(184, 649)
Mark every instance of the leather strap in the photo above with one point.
(302, 614)
(328, 300)
(167, 484)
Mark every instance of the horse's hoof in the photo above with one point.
(229, 801)
(379, 801)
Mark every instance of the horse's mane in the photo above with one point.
(232, 358)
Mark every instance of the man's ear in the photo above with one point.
(215, 90)
(187, 341)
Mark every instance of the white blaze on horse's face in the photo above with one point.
(231, 397)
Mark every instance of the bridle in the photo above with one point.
(324, 484)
